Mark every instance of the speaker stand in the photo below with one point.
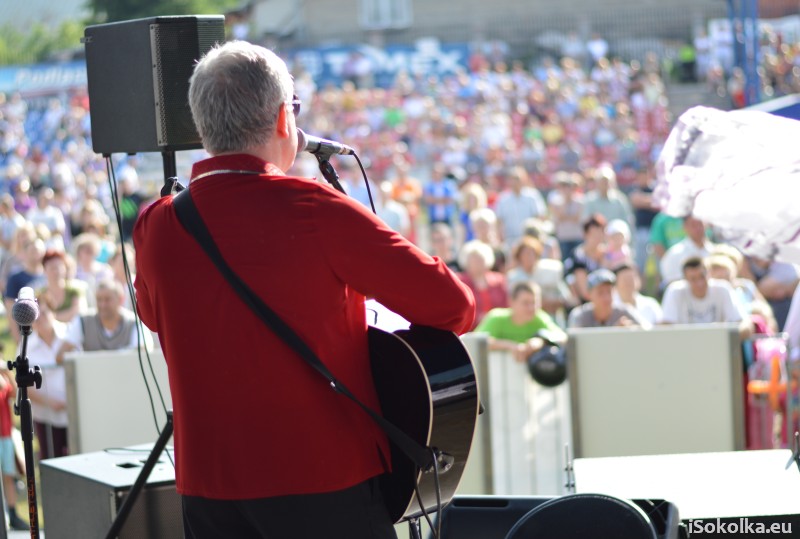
(170, 167)
(414, 529)
(130, 499)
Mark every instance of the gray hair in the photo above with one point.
(112, 285)
(476, 247)
(482, 214)
(234, 95)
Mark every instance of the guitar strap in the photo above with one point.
(193, 223)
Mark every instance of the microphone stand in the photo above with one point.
(170, 173)
(27, 377)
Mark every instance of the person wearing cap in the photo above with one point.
(601, 311)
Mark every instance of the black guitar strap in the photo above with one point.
(192, 221)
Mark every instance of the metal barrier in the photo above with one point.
(519, 446)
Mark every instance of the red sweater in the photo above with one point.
(495, 294)
(251, 418)
(5, 410)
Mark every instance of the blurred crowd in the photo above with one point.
(545, 176)
(509, 173)
(778, 66)
(58, 236)
(534, 185)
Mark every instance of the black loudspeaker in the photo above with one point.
(584, 516)
(138, 75)
(81, 495)
(556, 517)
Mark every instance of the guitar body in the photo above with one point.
(427, 387)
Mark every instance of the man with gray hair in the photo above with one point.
(111, 327)
(264, 447)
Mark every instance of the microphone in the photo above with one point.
(320, 146)
(25, 310)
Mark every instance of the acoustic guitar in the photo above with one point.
(427, 387)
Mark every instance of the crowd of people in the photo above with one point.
(56, 237)
(545, 176)
(778, 60)
(534, 185)
(550, 167)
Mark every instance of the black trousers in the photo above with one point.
(354, 513)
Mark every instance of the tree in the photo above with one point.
(38, 42)
(123, 10)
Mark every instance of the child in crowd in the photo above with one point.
(8, 457)
(618, 250)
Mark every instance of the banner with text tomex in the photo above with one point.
(335, 64)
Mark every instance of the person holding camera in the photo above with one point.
(523, 328)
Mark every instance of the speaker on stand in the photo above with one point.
(138, 78)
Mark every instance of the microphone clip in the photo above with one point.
(171, 187)
(26, 377)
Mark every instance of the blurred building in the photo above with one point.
(528, 28)
(48, 12)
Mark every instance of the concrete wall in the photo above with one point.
(512, 21)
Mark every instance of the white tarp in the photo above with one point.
(740, 172)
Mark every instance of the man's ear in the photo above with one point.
(282, 129)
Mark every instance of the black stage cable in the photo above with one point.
(140, 327)
(436, 531)
(366, 182)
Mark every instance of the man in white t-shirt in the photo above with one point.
(696, 299)
(695, 244)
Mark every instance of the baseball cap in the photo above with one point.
(600, 276)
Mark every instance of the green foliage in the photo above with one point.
(123, 10)
(38, 42)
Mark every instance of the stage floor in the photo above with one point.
(702, 485)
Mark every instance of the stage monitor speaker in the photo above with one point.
(138, 76)
(81, 495)
(495, 517)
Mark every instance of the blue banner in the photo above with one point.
(42, 78)
(333, 65)
(328, 65)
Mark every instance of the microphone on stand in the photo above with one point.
(321, 147)
(25, 310)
